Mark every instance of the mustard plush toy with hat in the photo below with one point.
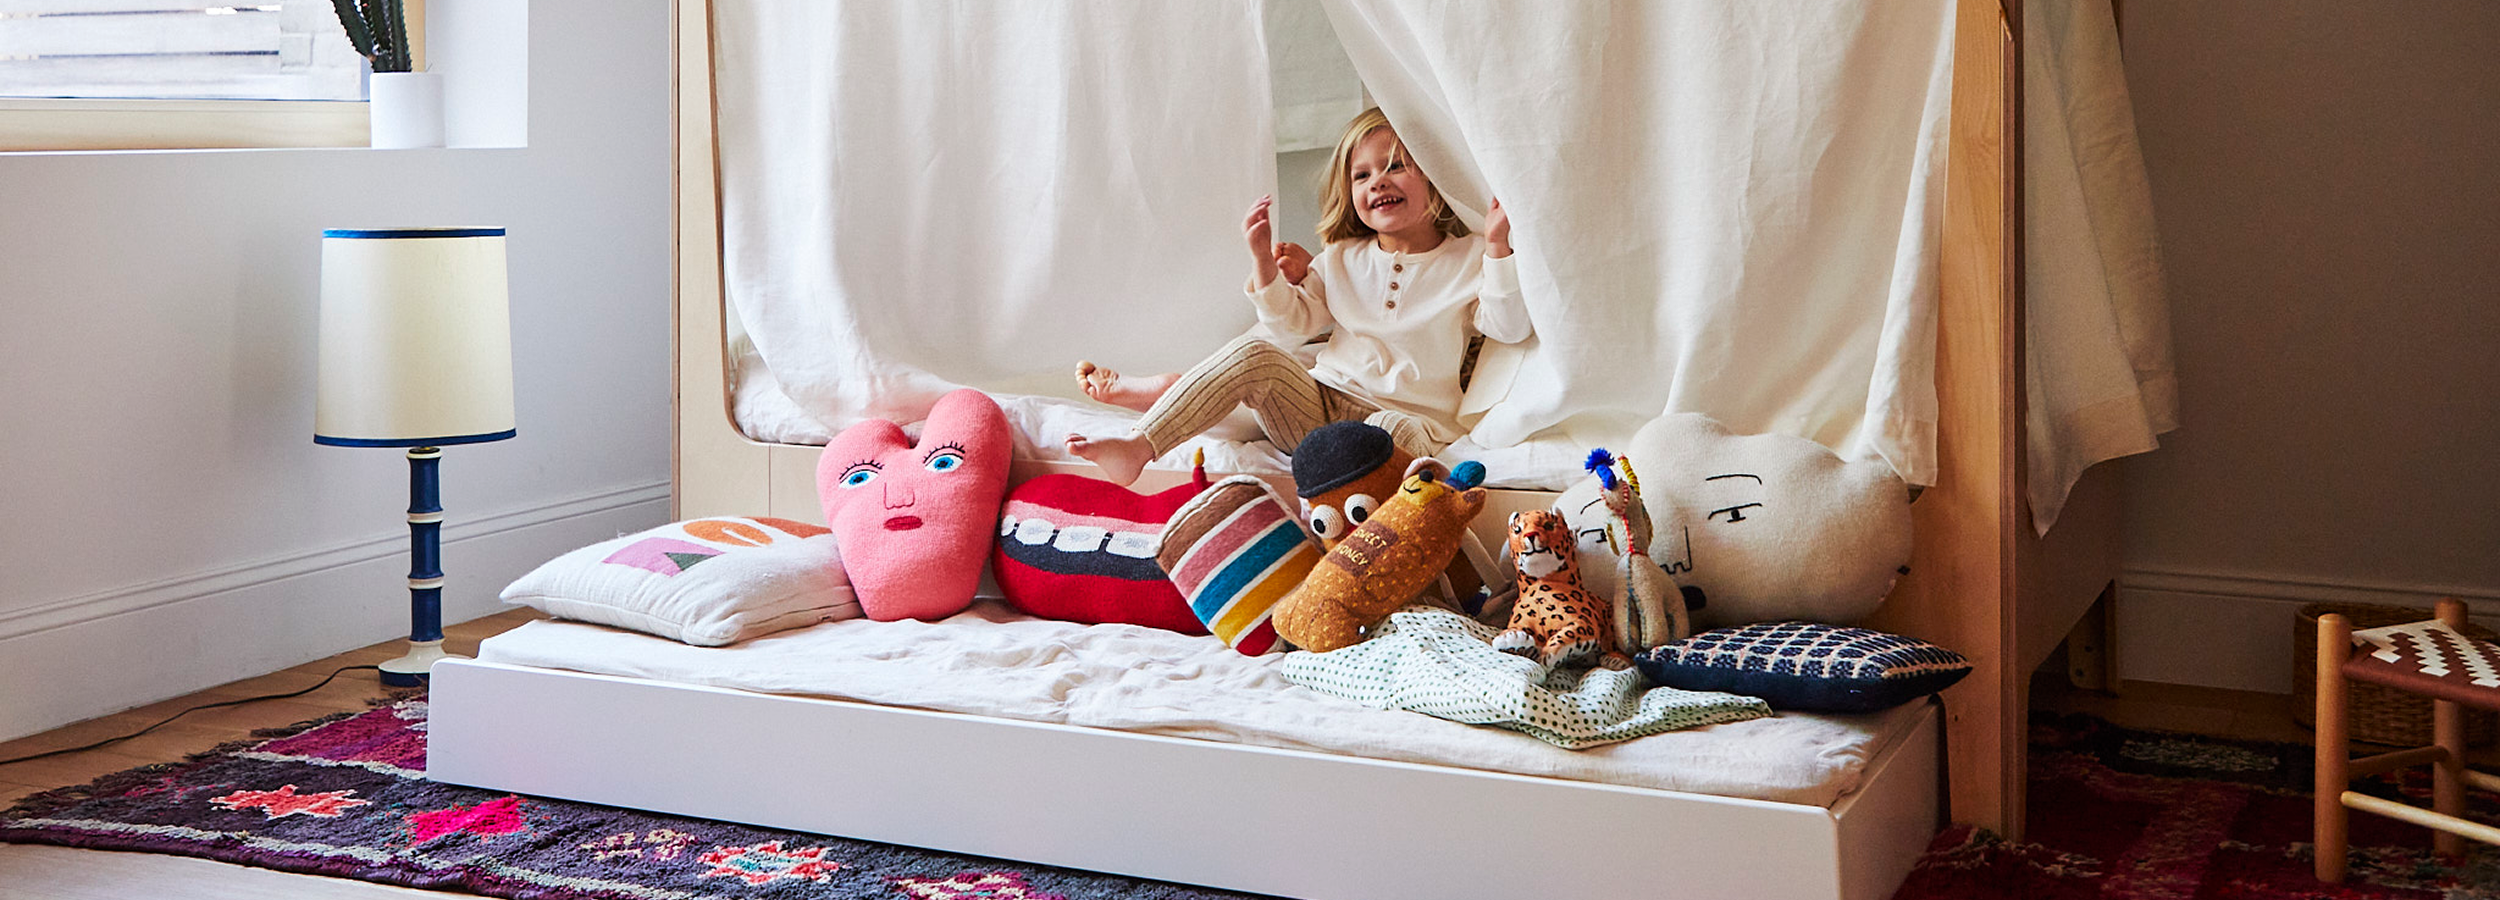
(1344, 471)
(1384, 563)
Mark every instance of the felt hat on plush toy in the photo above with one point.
(1760, 527)
(1334, 455)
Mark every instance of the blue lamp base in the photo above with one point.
(425, 571)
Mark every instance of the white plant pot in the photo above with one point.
(407, 109)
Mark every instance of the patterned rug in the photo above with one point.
(2123, 813)
(2115, 813)
(347, 797)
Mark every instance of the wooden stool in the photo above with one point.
(2431, 658)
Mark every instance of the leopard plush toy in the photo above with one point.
(1555, 621)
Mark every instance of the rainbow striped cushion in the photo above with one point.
(1233, 551)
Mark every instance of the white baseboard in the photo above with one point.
(92, 655)
(2234, 630)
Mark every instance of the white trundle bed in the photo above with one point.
(1796, 806)
(1317, 825)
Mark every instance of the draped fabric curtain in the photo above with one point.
(919, 195)
(1725, 208)
(2100, 380)
(1730, 208)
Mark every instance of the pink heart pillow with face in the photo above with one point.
(915, 521)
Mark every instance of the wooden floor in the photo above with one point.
(2247, 715)
(52, 873)
(55, 873)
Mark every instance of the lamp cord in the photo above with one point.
(169, 719)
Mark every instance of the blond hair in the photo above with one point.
(1337, 217)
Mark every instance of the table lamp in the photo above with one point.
(416, 352)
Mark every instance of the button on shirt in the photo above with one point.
(1402, 320)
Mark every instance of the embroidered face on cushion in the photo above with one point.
(1758, 527)
(916, 518)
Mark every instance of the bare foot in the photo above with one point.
(1107, 386)
(1121, 459)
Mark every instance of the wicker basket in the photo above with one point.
(2377, 715)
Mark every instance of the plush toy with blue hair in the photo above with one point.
(1648, 607)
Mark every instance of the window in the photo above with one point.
(161, 49)
(148, 74)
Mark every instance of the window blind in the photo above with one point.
(179, 49)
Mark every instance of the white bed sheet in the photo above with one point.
(993, 661)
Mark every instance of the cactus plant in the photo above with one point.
(379, 31)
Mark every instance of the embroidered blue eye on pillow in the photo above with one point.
(1806, 666)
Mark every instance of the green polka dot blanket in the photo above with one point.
(1440, 663)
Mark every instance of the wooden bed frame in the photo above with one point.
(1980, 583)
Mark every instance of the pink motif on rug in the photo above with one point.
(284, 802)
(972, 886)
(766, 863)
(395, 737)
(486, 820)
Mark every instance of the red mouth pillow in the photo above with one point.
(914, 518)
(1081, 549)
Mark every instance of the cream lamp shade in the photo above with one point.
(416, 352)
(416, 338)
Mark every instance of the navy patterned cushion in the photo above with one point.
(1805, 666)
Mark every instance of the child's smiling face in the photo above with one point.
(1390, 194)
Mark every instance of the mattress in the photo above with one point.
(993, 661)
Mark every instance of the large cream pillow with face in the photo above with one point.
(1754, 528)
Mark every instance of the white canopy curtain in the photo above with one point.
(1732, 208)
(1726, 208)
(920, 195)
(1722, 207)
(2100, 382)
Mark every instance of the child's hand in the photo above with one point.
(1293, 261)
(1261, 233)
(1496, 231)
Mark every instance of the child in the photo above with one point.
(1403, 285)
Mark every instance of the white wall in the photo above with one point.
(2328, 190)
(166, 522)
(1298, 178)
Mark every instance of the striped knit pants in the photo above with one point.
(1288, 402)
